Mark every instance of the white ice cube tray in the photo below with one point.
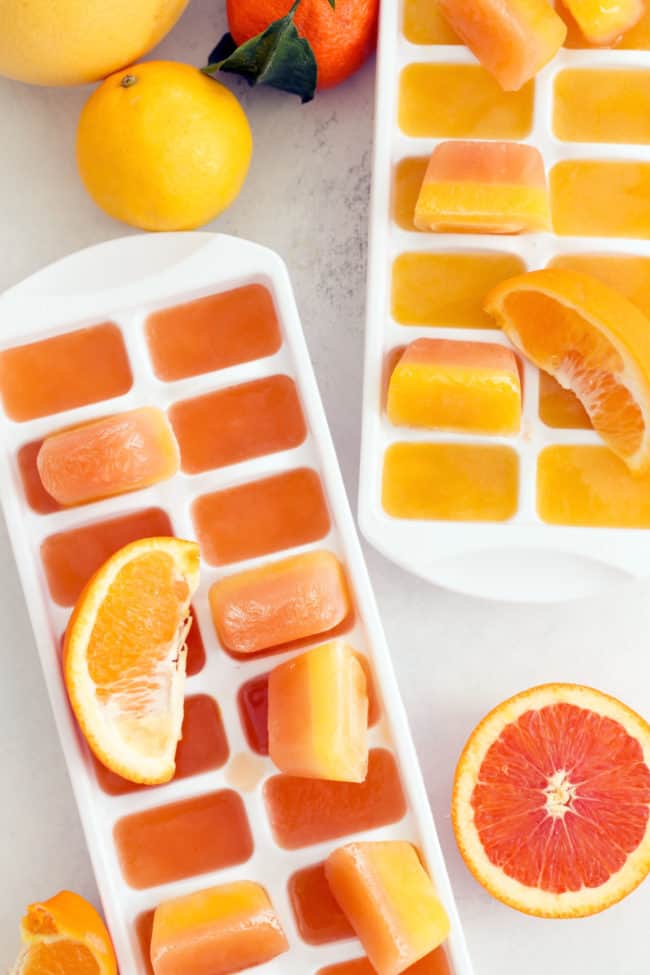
(523, 558)
(123, 281)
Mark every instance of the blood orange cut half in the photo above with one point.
(551, 804)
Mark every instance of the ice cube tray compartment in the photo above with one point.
(224, 778)
(420, 285)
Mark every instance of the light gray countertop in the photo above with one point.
(455, 657)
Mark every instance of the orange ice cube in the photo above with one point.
(484, 187)
(448, 385)
(120, 453)
(318, 715)
(604, 23)
(280, 602)
(513, 39)
(389, 899)
(216, 931)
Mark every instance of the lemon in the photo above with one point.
(162, 147)
(71, 42)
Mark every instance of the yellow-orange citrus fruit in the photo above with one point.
(72, 42)
(125, 654)
(593, 341)
(163, 147)
(65, 934)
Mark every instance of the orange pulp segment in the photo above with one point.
(153, 846)
(603, 23)
(602, 105)
(593, 341)
(216, 931)
(114, 455)
(590, 486)
(318, 715)
(125, 653)
(71, 557)
(261, 517)
(319, 918)
(213, 333)
(435, 963)
(446, 385)
(280, 602)
(307, 811)
(64, 372)
(601, 198)
(448, 289)
(238, 423)
(461, 101)
(389, 899)
(203, 747)
(483, 187)
(513, 39)
(65, 934)
(450, 481)
(551, 803)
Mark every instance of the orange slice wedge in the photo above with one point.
(65, 934)
(125, 653)
(593, 341)
(551, 803)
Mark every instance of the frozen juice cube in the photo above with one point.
(319, 918)
(70, 558)
(64, 372)
(389, 900)
(216, 931)
(450, 481)
(260, 517)
(280, 602)
(513, 39)
(307, 811)
(182, 839)
(602, 105)
(213, 333)
(603, 23)
(590, 486)
(448, 385)
(114, 455)
(601, 198)
(318, 715)
(435, 963)
(483, 187)
(461, 101)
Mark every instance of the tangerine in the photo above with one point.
(341, 38)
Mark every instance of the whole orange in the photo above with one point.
(341, 38)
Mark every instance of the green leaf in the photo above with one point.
(332, 4)
(278, 57)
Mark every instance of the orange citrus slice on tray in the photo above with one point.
(594, 341)
(551, 803)
(65, 935)
(125, 654)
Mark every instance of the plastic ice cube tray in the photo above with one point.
(123, 282)
(521, 558)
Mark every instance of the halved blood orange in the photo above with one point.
(551, 803)
(125, 653)
(594, 341)
(65, 934)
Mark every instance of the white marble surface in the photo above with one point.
(455, 657)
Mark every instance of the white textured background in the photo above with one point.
(306, 197)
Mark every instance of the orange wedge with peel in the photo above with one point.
(593, 341)
(551, 802)
(125, 654)
(64, 934)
